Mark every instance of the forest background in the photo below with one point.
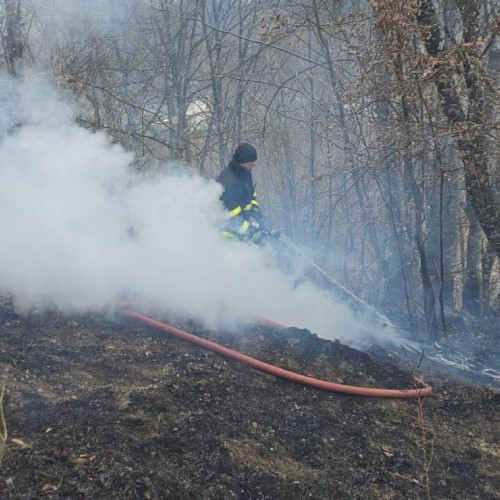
(376, 123)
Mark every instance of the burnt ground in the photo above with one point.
(104, 408)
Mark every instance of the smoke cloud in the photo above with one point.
(68, 202)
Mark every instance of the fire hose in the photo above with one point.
(426, 390)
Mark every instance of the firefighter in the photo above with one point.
(245, 220)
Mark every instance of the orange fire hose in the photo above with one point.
(279, 372)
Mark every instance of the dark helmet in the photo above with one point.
(245, 153)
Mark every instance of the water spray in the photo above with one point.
(382, 318)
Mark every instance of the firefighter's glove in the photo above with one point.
(254, 233)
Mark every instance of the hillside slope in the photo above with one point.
(100, 408)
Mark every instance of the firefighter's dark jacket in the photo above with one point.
(239, 198)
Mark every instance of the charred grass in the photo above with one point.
(105, 408)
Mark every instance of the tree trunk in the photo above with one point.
(13, 39)
(473, 285)
(429, 296)
(489, 263)
(454, 207)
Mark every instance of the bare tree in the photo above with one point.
(13, 38)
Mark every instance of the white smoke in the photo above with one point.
(68, 199)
